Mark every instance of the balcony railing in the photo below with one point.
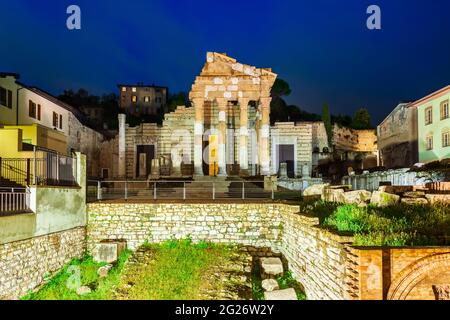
(14, 200)
(42, 168)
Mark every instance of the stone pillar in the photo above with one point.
(264, 136)
(222, 104)
(243, 136)
(122, 146)
(198, 137)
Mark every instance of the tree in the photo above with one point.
(280, 88)
(361, 119)
(178, 99)
(326, 118)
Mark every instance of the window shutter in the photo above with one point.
(39, 112)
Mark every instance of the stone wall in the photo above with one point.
(24, 264)
(398, 177)
(419, 273)
(397, 138)
(315, 256)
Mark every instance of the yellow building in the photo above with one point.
(13, 138)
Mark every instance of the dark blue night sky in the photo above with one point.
(321, 47)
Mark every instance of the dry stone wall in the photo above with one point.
(25, 263)
(315, 256)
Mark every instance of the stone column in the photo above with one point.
(264, 136)
(243, 136)
(198, 137)
(222, 104)
(122, 146)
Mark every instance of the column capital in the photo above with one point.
(198, 102)
(222, 102)
(265, 101)
(243, 102)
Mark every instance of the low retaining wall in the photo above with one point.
(315, 256)
(25, 263)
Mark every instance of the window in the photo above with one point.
(5, 97)
(146, 99)
(429, 141)
(105, 173)
(428, 115)
(133, 89)
(39, 112)
(124, 89)
(446, 139)
(133, 98)
(60, 121)
(55, 119)
(32, 112)
(444, 110)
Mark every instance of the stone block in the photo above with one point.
(395, 189)
(108, 251)
(81, 291)
(269, 285)
(271, 267)
(315, 190)
(285, 294)
(359, 197)
(103, 271)
(438, 198)
(333, 195)
(383, 199)
(414, 201)
(414, 194)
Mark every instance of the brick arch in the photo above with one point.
(410, 276)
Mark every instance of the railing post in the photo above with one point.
(57, 168)
(154, 190)
(273, 191)
(99, 190)
(28, 172)
(214, 191)
(34, 166)
(184, 190)
(243, 191)
(126, 190)
(0, 167)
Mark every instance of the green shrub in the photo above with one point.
(398, 225)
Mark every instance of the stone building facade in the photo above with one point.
(140, 99)
(397, 138)
(357, 146)
(226, 132)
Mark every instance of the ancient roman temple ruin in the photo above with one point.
(226, 131)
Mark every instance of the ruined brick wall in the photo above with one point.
(397, 138)
(419, 273)
(87, 141)
(316, 257)
(24, 264)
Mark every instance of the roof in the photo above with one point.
(141, 85)
(431, 96)
(9, 74)
(399, 105)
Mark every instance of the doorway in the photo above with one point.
(144, 156)
(286, 154)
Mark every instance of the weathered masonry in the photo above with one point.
(325, 263)
(226, 132)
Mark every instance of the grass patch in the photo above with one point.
(398, 225)
(287, 281)
(175, 272)
(60, 286)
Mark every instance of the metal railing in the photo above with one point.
(14, 200)
(43, 168)
(184, 190)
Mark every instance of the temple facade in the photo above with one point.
(226, 132)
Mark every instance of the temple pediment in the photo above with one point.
(224, 77)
